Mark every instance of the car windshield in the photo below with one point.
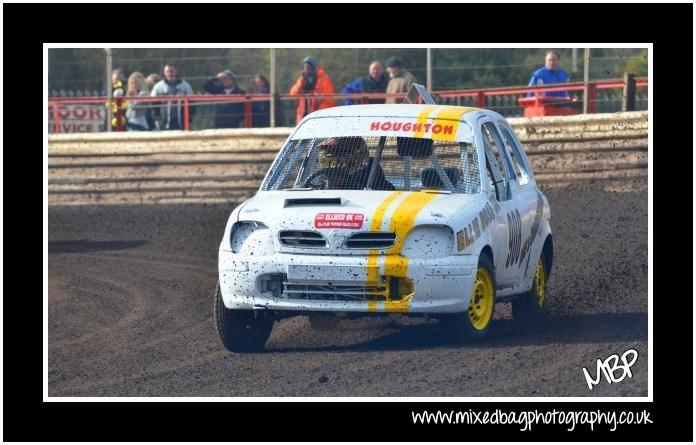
(376, 163)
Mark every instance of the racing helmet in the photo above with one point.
(345, 152)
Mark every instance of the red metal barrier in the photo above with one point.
(548, 106)
(481, 99)
(592, 98)
(247, 114)
(478, 94)
(186, 114)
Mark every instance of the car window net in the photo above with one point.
(402, 163)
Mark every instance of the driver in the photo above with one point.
(345, 165)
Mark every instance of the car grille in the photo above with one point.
(301, 238)
(334, 292)
(371, 240)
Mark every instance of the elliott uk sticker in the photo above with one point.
(339, 220)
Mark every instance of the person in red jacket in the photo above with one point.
(315, 81)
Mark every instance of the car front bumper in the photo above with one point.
(439, 285)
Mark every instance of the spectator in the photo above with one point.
(170, 115)
(136, 113)
(118, 82)
(118, 106)
(375, 82)
(315, 81)
(400, 79)
(262, 110)
(548, 74)
(151, 80)
(345, 165)
(227, 115)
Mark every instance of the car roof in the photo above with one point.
(393, 110)
(377, 119)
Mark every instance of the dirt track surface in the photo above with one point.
(130, 314)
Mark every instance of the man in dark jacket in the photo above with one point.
(227, 115)
(375, 82)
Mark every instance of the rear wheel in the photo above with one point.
(241, 330)
(530, 306)
(474, 323)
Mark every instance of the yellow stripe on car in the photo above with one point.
(395, 265)
(375, 226)
(422, 119)
(402, 305)
(450, 116)
(401, 224)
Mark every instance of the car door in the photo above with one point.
(507, 232)
(528, 200)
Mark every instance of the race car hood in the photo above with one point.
(338, 214)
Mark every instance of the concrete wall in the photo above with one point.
(228, 165)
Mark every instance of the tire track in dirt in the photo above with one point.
(130, 314)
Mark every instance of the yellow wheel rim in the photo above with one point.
(540, 283)
(481, 304)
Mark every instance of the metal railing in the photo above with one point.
(504, 97)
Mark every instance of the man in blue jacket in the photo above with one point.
(376, 82)
(548, 74)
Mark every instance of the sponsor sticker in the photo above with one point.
(339, 220)
(416, 127)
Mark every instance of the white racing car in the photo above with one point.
(407, 208)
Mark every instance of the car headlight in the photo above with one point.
(251, 238)
(429, 241)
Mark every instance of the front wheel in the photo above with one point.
(530, 306)
(474, 323)
(241, 330)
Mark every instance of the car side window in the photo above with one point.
(490, 166)
(497, 165)
(494, 139)
(513, 150)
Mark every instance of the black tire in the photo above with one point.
(323, 321)
(241, 330)
(473, 325)
(530, 305)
